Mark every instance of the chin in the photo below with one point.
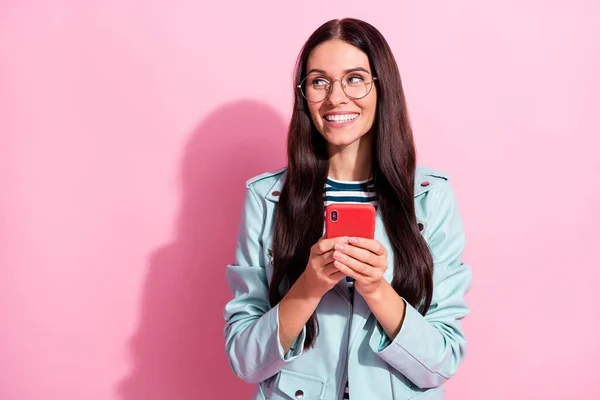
(339, 139)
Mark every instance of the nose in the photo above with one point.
(337, 95)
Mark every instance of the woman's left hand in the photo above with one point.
(365, 260)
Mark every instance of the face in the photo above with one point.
(341, 120)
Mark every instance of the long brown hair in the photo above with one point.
(299, 215)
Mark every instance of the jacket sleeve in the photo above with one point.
(428, 349)
(251, 330)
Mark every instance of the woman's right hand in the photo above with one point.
(320, 274)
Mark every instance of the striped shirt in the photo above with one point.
(350, 192)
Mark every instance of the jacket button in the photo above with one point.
(299, 394)
(276, 193)
(425, 184)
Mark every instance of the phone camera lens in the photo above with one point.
(334, 216)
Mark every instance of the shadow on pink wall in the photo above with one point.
(178, 348)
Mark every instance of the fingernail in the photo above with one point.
(338, 246)
(354, 240)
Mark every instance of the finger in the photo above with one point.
(369, 244)
(337, 275)
(329, 269)
(360, 254)
(325, 245)
(347, 271)
(325, 258)
(353, 263)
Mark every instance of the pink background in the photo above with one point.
(128, 130)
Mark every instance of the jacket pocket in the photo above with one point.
(294, 385)
(436, 393)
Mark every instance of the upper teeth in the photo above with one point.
(340, 117)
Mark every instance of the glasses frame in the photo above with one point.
(332, 82)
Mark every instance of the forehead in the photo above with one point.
(335, 56)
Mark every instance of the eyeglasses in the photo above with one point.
(316, 87)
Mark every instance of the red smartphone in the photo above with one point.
(350, 219)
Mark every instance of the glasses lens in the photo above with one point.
(315, 87)
(357, 84)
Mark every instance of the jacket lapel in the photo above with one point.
(361, 310)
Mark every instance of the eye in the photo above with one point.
(319, 82)
(354, 80)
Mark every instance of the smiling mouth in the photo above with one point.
(340, 117)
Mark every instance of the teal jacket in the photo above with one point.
(351, 344)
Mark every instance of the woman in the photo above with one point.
(317, 318)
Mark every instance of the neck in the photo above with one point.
(352, 162)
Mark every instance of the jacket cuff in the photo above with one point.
(297, 347)
(409, 337)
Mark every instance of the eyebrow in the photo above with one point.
(320, 71)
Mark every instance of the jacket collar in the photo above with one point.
(275, 190)
(423, 183)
